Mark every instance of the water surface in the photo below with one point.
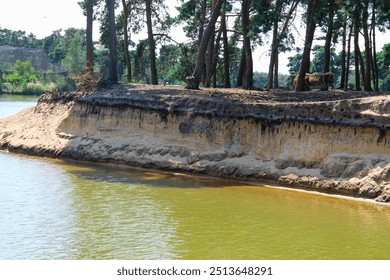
(11, 104)
(52, 209)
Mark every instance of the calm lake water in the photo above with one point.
(52, 209)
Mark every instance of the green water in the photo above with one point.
(51, 209)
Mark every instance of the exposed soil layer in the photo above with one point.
(336, 142)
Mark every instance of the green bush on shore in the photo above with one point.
(27, 88)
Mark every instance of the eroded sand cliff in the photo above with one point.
(333, 142)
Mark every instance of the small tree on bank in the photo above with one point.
(194, 80)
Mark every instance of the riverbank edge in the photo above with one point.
(46, 135)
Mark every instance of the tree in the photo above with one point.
(211, 55)
(140, 15)
(226, 56)
(141, 62)
(294, 63)
(24, 73)
(384, 67)
(152, 44)
(89, 31)
(310, 29)
(245, 22)
(278, 35)
(346, 79)
(53, 45)
(192, 14)
(331, 9)
(194, 80)
(318, 61)
(357, 23)
(344, 50)
(126, 39)
(18, 39)
(75, 53)
(113, 72)
(367, 47)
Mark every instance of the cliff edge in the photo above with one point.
(334, 142)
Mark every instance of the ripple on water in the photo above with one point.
(52, 209)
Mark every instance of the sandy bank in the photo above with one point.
(332, 142)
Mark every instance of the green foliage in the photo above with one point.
(261, 21)
(175, 64)
(176, 61)
(75, 54)
(18, 39)
(24, 73)
(141, 62)
(384, 67)
(63, 84)
(260, 79)
(4, 67)
(15, 80)
(190, 13)
(318, 60)
(1, 79)
(50, 43)
(24, 80)
(294, 63)
(25, 70)
(386, 55)
(386, 84)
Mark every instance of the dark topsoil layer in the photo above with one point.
(325, 107)
(234, 95)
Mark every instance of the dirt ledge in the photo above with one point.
(40, 131)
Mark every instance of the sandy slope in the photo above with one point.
(198, 131)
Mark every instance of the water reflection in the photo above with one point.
(57, 210)
(120, 220)
(36, 217)
(11, 104)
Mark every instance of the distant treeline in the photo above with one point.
(222, 35)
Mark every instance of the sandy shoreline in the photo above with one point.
(339, 146)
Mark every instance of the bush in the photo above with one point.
(386, 84)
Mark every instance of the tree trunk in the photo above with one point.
(356, 45)
(210, 57)
(152, 44)
(226, 72)
(375, 60)
(215, 58)
(194, 80)
(202, 21)
(343, 55)
(126, 40)
(89, 39)
(328, 38)
(274, 49)
(209, 60)
(201, 31)
(346, 81)
(241, 69)
(248, 74)
(113, 75)
(362, 69)
(367, 49)
(276, 69)
(310, 29)
(272, 74)
(328, 42)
